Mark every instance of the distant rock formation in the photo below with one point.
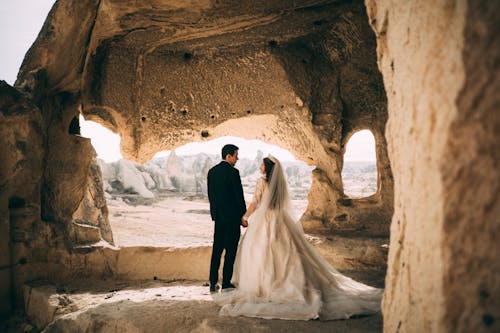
(187, 175)
(181, 174)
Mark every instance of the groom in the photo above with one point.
(227, 206)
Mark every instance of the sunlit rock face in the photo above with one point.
(440, 66)
(92, 211)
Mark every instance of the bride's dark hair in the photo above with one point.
(269, 166)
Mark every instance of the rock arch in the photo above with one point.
(161, 74)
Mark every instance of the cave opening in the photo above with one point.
(166, 73)
(164, 203)
(359, 171)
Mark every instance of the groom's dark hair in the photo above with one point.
(228, 149)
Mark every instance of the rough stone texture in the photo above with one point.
(161, 73)
(440, 66)
(160, 306)
(302, 75)
(93, 210)
(470, 170)
(45, 174)
(21, 155)
(82, 234)
(41, 303)
(101, 260)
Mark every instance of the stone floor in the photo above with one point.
(154, 306)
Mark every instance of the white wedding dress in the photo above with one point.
(278, 274)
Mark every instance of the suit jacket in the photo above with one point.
(225, 193)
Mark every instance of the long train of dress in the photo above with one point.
(278, 274)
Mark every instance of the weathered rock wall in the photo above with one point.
(440, 66)
(470, 169)
(46, 176)
(165, 74)
(93, 211)
(302, 75)
(58, 32)
(21, 153)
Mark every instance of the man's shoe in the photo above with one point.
(214, 288)
(228, 286)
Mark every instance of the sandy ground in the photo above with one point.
(169, 222)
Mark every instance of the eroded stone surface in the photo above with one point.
(299, 75)
(21, 169)
(438, 63)
(472, 181)
(45, 177)
(93, 210)
(163, 306)
(302, 75)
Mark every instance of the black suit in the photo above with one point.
(227, 206)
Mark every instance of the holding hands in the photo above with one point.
(244, 222)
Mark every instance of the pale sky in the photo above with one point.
(20, 23)
(107, 145)
(361, 146)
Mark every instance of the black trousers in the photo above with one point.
(224, 239)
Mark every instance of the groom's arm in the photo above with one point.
(238, 191)
(211, 195)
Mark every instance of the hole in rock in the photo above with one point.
(74, 126)
(272, 43)
(359, 173)
(105, 142)
(320, 22)
(16, 202)
(164, 203)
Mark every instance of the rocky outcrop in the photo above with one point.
(93, 210)
(157, 306)
(301, 75)
(471, 180)
(440, 66)
(21, 170)
(51, 189)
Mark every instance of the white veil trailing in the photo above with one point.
(276, 197)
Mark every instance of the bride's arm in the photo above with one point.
(259, 189)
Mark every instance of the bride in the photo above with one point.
(278, 274)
